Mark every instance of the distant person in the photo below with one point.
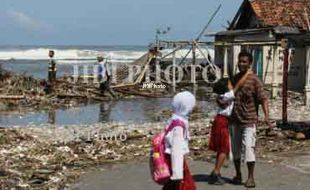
(245, 118)
(104, 76)
(220, 137)
(51, 66)
(176, 142)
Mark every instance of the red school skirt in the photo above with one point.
(187, 183)
(220, 140)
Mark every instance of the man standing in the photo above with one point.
(245, 118)
(104, 76)
(51, 67)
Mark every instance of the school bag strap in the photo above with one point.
(176, 123)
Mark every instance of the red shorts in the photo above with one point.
(220, 140)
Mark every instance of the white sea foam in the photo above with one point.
(86, 56)
(69, 54)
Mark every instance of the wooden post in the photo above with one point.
(307, 84)
(284, 44)
(225, 72)
(194, 63)
(173, 72)
(274, 83)
(237, 50)
(194, 53)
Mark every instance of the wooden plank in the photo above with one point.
(262, 43)
(12, 97)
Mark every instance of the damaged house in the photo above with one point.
(259, 27)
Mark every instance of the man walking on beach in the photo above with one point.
(245, 118)
(104, 76)
(51, 67)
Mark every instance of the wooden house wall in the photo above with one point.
(272, 64)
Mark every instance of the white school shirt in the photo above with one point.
(176, 144)
(229, 98)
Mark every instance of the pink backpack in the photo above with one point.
(159, 165)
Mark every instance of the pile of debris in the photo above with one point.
(46, 158)
(28, 92)
(20, 91)
(28, 162)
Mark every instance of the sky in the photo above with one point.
(108, 22)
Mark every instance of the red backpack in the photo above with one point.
(160, 168)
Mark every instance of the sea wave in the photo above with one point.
(87, 56)
(69, 54)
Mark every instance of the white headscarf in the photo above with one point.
(183, 103)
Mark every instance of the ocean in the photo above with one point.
(33, 60)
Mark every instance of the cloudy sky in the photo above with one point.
(107, 22)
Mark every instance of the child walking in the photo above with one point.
(176, 143)
(220, 138)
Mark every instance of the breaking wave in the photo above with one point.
(85, 56)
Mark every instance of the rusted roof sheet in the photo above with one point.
(291, 13)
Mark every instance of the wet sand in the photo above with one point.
(136, 176)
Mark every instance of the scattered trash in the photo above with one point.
(38, 157)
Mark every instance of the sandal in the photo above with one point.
(216, 179)
(219, 180)
(237, 180)
(212, 177)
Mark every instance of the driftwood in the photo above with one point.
(12, 97)
(139, 93)
(135, 137)
(70, 96)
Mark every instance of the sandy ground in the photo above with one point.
(135, 176)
